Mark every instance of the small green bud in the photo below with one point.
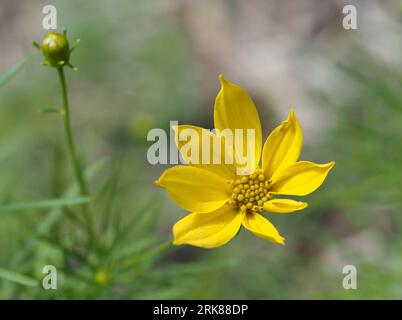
(55, 49)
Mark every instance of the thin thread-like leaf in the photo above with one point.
(55, 214)
(17, 278)
(43, 204)
(50, 110)
(11, 73)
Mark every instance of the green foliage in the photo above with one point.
(43, 204)
(17, 278)
(14, 71)
(100, 246)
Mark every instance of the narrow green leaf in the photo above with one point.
(50, 110)
(55, 214)
(44, 204)
(11, 73)
(17, 278)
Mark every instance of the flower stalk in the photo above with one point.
(69, 136)
(56, 51)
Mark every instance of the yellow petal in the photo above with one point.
(195, 189)
(261, 227)
(234, 109)
(282, 147)
(301, 178)
(208, 230)
(284, 205)
(201, 148)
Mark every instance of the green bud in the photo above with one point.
(55, 49)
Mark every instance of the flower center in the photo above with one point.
(251, 192)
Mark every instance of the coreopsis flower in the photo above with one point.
(220, 199)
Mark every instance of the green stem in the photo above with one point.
(71, 149)
(70, 142)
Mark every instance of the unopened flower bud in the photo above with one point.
(55, 49)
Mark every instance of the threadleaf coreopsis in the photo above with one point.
(219, 199)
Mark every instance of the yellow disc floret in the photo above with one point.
(250, 193)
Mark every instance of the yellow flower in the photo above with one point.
(101, 277)
(221, 201)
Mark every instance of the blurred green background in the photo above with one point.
(144, 63)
